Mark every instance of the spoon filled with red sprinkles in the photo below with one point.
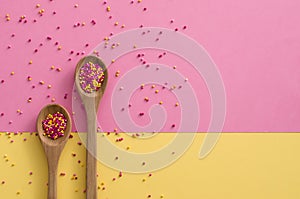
(90, 80)
(53, 126)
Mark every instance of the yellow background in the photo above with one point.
(242, 165)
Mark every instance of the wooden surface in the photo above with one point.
(53, 148)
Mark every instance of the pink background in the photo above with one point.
(255, 44)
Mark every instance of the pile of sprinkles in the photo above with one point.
(54, 125)
(91, 77)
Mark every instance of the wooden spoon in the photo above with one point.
(91, 103)
(53, 148)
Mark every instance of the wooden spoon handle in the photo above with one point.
(53, 157)
(91, 153)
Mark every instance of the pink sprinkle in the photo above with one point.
(56, 43)
(49, 38)
(72, 51)
(120, 174)
(2, 114)
(86, 45)
(9, 47)
(144, 9)
(184, 27)
(172, 21)
(2, 81)
(35, 50)
(58, 27)
(173, 125)
(29, 40)
(176, 29)
(54, 12)
(12, 35)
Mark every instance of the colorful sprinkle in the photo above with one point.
(91, 77)
(54, 125)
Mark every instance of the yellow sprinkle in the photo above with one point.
(139, 1)
(52, 67)
(123, 26)
(30, 62)
(174, 67)
(161, 196)
(161, 102)
(38, 5)
(153, 86)
(112, 61)
(116, 23)
(177, 104)
(134, 46)
(53, 99)
(143, 179)
(18, 193)
(7, 15)
(5, 156)
(59, 48)
(108, 8)
(7, 19)
(49, 86)
(12, 73)
(156, 91)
